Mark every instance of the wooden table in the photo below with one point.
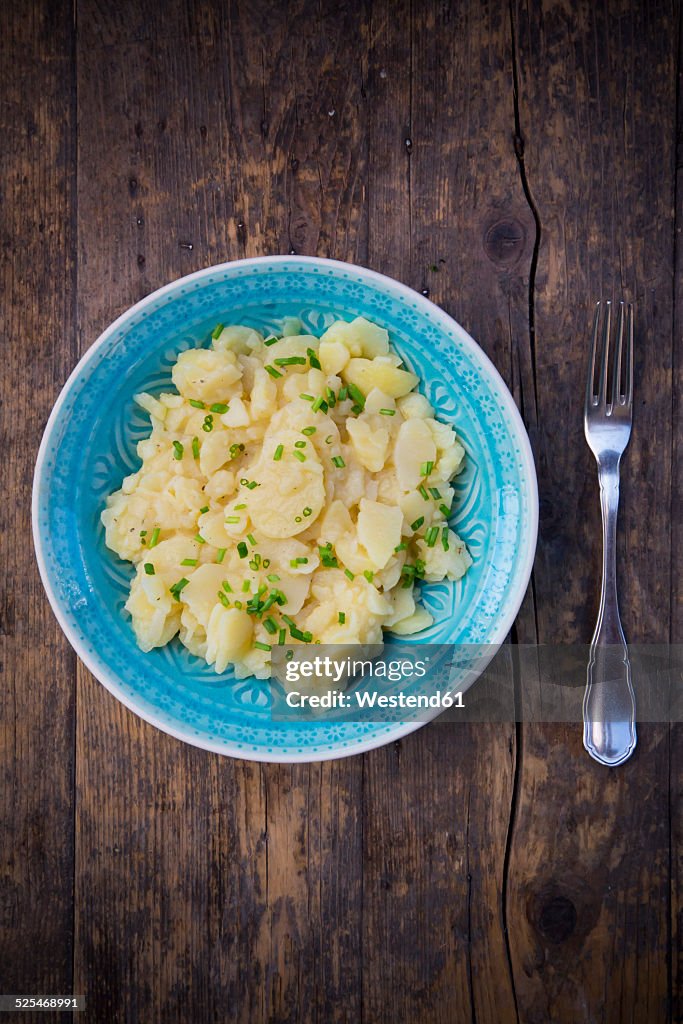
(514, 162)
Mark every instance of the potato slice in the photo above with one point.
(238, 338)
(379, 530)
(201, 593)
(333, 356)
(205, 375)
(288, 487)
(367, 374)
(370, 445)
(228, 636)
(414, 446)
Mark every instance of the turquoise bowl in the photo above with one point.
(89, 446)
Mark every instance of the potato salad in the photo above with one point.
(292, 489)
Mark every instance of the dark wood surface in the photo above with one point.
(516, 161)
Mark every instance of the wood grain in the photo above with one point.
(592, 113)
(37, 665)
(447, 214)
(207, 886)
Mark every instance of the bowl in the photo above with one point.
(89, 445)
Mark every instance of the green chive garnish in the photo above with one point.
(278, 453)
(435, 493)
(273, 372)
(299, 444)
(329, 439)
(444, 538)
(319, 404)
(177, 587)
(357, 395)
(223, 599)
(423, 491)
(226, 587)
(342, 618)
(308, 431)
(178, 450)
(368, 575)
(149, 568)
(246, 586)
(426, 468)
(313, 359)
(242, 549)
(216, 332)
(349, 574)
(203, 509)
(273, 578)
(401, 547)
(195, 447)
(196, 404)
(189, 561)
(281, 636)
(331, 397)
(221, 555)
(387, 412)
(207, 425)
(239, 507)
(198, 537)
(232, 519)
(338, 461)
(418, 523)
(251, 540)
(290, 361)
(445, 509)
(261, 647)
(431, 535)
(300, 456)
(270, 625)
(343, 392)
(308, 511)
(219, 407)
(307, 398)
(271, 341)
(154, 539)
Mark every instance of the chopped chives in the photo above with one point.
(431, 535)
(329, 439)
(232, 519)
(300, 456)
(387, 412)
(195, 447)
(226, 587)
(342, 618)
(290, 361)
(216, 332)
(298, 519)
(426, 468)
(235, 449)
(154, 539)
(308, 431)
(343, 392)
(266, 563)
(308, 511)
(281, 636)
(401, 547)
(177, 587)
(272, 371)
(313, 359)
(423, 491)
(242, 549)
(250, 538)
(221, 555)
(331, 397)
(189, 561)
(252, 484)
(338, 461)
(444, 538)
(273, 578)
(435, 493)
(207, 425)
(198, 537)
(239, 507)
(271, 625)
(356, 409)
(149, 569)
(418, 523)
(349, 574)
(319, 403)
(278, 453)
(299, 444)
(356, 394)
(445, 509)
(223, 599)
(255, 562)
(307, 398)
(196, 404)
(271, 341)
(178, 450)
(368, 575)
(143, 533)
(246, 586)
(203, 509)
(302, 561)
(238, 604)
(219, 407)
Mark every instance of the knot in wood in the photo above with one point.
(556, 919)
(504, 241)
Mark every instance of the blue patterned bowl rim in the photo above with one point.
(392, 288)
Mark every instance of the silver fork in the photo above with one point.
(609, 726)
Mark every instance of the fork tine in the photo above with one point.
(629, 355)
(590, 382)
(604, 358)
(618, 353)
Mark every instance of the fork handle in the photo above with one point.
(609, 707)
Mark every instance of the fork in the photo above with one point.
(609, 711)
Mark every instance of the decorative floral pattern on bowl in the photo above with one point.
(89, 446)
